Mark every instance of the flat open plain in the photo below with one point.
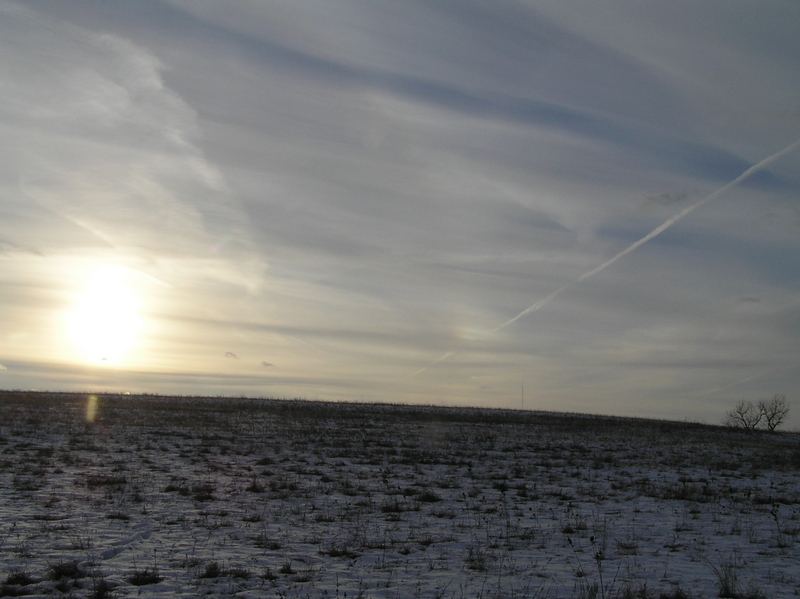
(149, 496)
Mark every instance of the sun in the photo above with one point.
(104, 322)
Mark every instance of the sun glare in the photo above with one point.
(104, 323)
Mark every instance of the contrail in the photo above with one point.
(436, 361)
(540, 304)
(654, 233)
(740, 381)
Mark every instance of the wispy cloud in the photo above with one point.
(356, 188)
(665, 199)
(104, 144)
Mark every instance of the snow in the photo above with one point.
(267, 498)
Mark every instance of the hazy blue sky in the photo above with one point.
(348, 199)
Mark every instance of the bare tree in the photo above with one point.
(745, 415)
(773, 411)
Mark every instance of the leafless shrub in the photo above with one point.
(264, 541)
(145, 576)
(101, 588)
(68, 569)
(203, 492)
(10, 590)
(19, 578)
(212, 570)
(587, 590)
(342, 549)
(477, 558)
(255, 486)
(117, 515)
(305, 575)
(253, 517)
(728, 581)
(428, 496)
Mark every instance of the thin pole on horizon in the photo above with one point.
(522, 385)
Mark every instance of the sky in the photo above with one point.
(425, 201)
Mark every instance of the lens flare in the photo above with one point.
(91, 408)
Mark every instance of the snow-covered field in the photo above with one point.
(169, 497)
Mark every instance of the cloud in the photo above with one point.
(655, 232)
(103, 143)
(458, 61)
(7, 247)
(666, 199)
(413, 174)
